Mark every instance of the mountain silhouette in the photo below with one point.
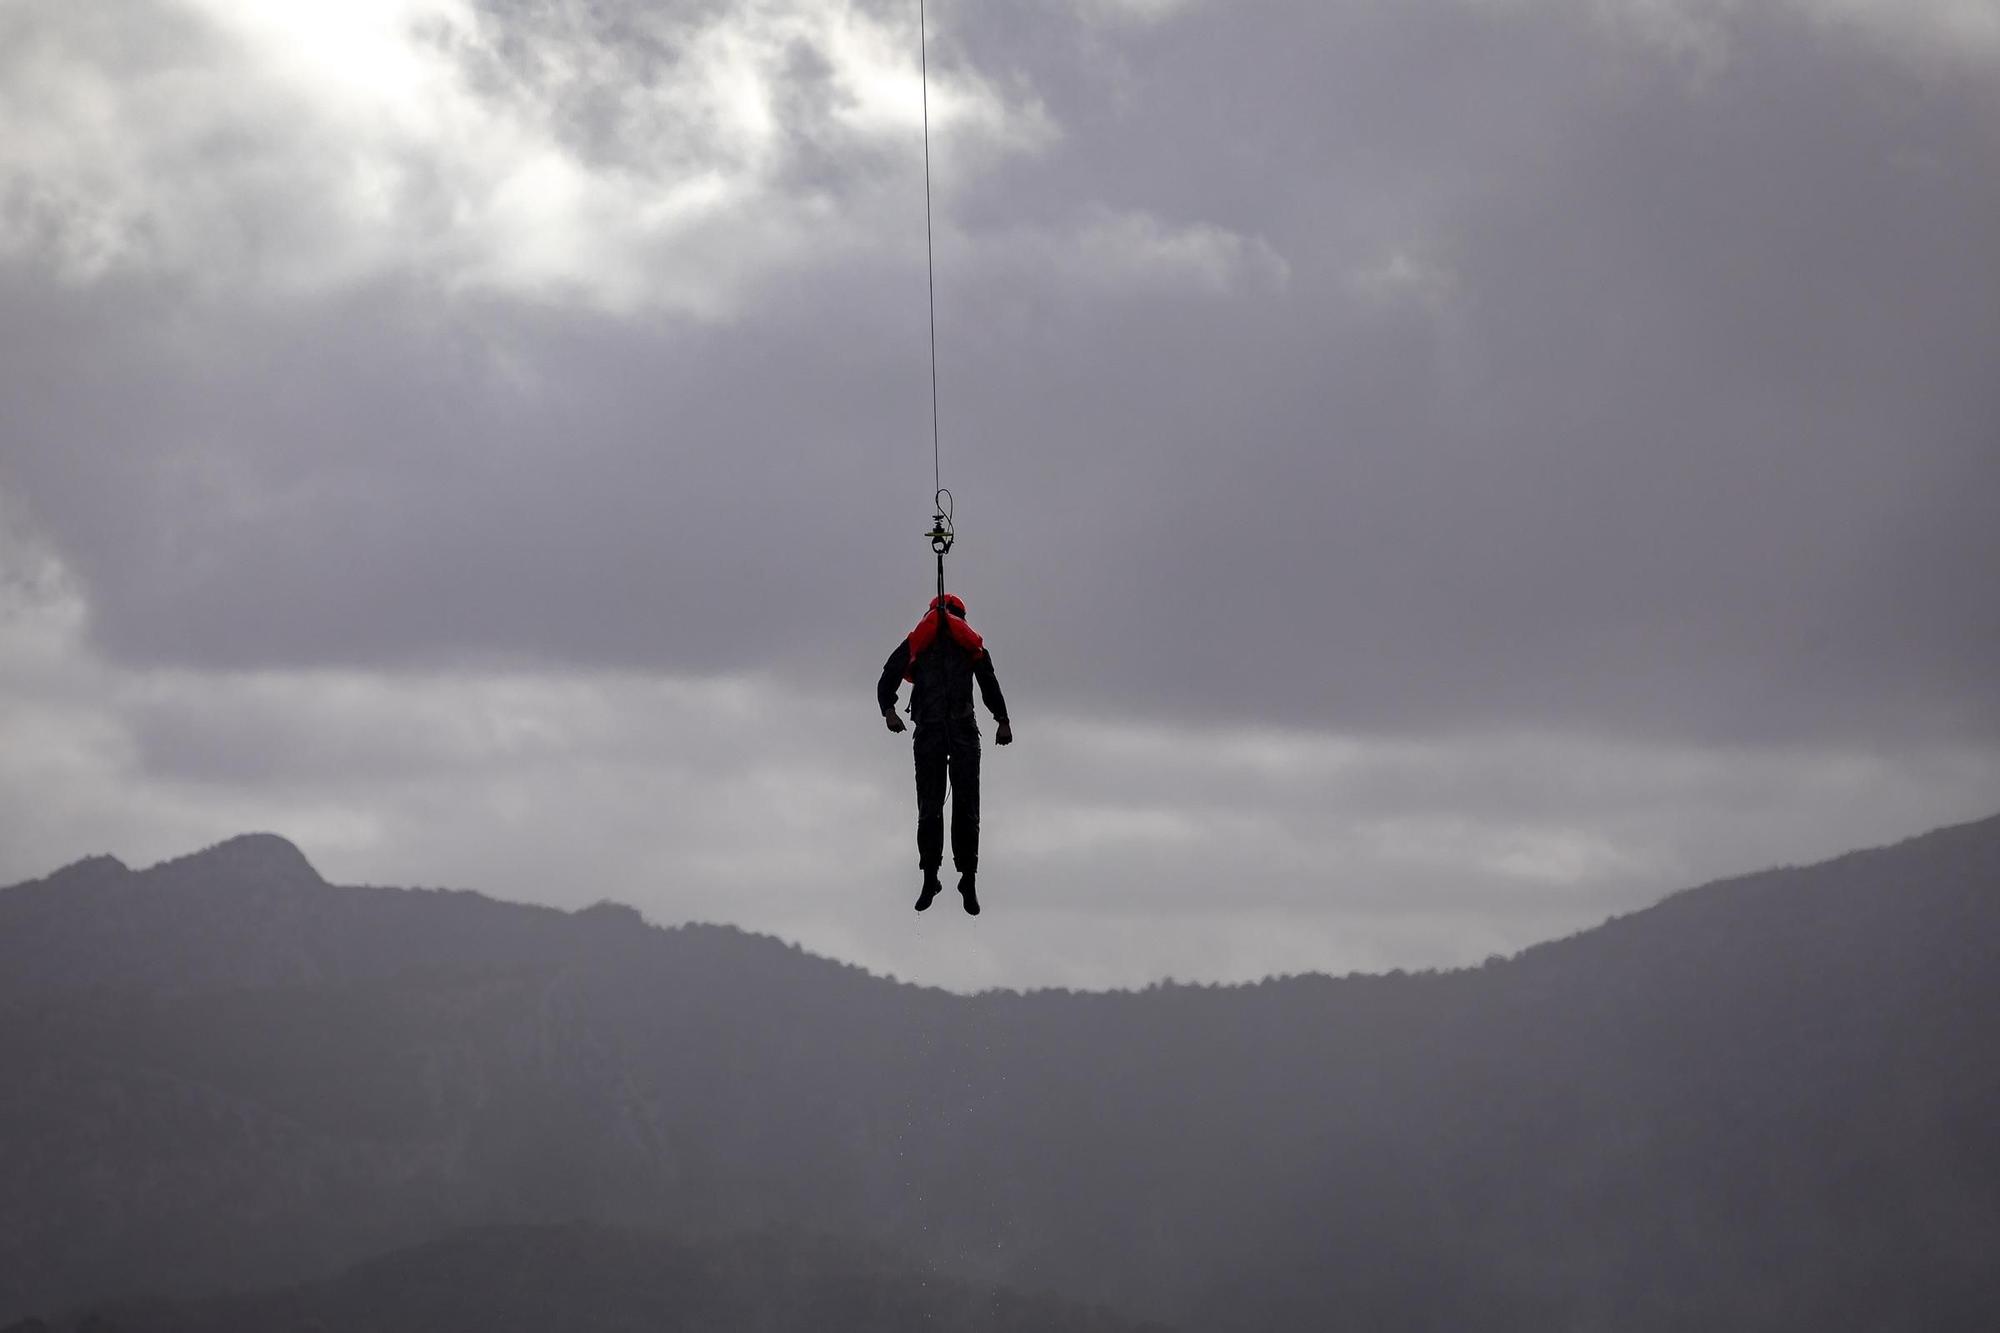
(527, 1279)
(1762, 1104)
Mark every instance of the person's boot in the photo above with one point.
(967, 891)
(931, 888)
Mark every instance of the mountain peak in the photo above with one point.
(90, 870)
(263, 855)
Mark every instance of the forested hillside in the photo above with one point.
(1767, 1103)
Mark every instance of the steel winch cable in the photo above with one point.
(930, 251)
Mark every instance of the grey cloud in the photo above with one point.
(1682, 427)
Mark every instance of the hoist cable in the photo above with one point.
(930, 258)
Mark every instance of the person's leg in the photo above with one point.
(931, 749)
(965, 808)
(965, 796)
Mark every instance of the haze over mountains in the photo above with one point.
(1769, 1103)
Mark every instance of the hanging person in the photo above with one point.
(941, 658)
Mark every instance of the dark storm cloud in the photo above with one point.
(1381, 367)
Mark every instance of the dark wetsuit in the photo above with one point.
(946, 742)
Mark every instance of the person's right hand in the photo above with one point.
(895, 723)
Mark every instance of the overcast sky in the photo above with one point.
(1433, 473)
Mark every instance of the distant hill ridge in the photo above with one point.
(578, 1276)
(1763, 1104)
(252, 911)
(267, 875)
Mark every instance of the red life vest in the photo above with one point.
(925, 633)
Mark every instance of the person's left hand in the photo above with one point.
(1005, 735)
